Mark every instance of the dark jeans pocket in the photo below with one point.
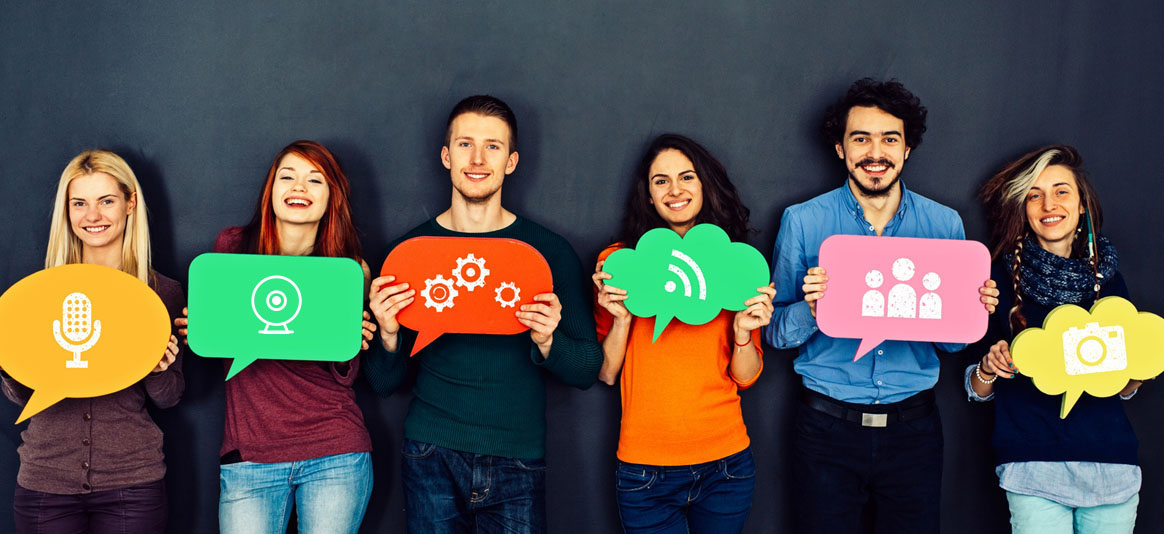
(530, 464)
(634, 478)
(416, 450)
(739, 465)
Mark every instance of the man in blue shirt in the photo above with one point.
(866, 430)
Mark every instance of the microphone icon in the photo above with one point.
(76, 314)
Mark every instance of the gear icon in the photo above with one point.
(438, 293)
(476, 270)
(507, 303)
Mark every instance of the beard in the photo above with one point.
(874, 192)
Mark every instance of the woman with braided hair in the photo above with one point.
(1079, 474)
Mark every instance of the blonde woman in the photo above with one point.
(95, 465)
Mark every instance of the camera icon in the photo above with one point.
(1094, 349)
(276, 301)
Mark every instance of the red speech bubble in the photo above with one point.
(466, 285)
(902, 288)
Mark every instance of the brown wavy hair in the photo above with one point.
(721, 202)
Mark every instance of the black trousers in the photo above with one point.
(840, 467)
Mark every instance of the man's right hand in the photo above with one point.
(386, 301)
(814, 287)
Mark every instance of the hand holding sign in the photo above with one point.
(470, 285)
(80, 331)
(691, 278)
(902, 288)
(1097, 352)
(247, 307)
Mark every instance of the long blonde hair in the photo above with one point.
(64, 246)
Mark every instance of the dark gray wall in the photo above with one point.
(199, 97)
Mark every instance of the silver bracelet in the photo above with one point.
(978, 373)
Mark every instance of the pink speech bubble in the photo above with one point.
(902, 288)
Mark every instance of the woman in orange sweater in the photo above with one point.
(684, 462)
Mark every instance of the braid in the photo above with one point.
(1017, 321)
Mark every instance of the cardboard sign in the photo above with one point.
(690, 278)
(250, 306)
(1097, 352)
(902, 288)
(466, 285)
(80, 331)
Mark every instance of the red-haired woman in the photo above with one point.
(294, 435)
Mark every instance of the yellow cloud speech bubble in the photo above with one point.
(1096, 352)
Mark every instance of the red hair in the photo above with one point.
(336, 236)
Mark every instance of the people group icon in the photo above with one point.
(902, 300)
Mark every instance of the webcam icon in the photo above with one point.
(280, 301)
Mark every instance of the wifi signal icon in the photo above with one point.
(670, 286)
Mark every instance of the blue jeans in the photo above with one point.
(1036, 515)
(329, 494)
(447, 491)
(713, 497)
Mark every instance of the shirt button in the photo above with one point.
(86, 486)
(84, 465)
(880, 352)
(878, 382)
(86, 417)
(871, 227)
(85, 442)
(876, 402)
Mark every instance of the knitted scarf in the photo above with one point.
(1052, 280)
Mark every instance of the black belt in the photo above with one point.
(872, 415)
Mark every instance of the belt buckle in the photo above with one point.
(876, 420)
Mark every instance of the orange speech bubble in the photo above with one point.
(80, 331)
(466, 285)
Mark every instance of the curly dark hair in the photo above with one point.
(890, 97)
(721, 203)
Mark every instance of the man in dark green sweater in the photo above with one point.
(474, 443)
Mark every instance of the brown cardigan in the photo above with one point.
(100, 443)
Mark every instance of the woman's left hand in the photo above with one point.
(757, 314)
(169, 357)
(369, 330)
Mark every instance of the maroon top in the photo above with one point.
(100, 443)
(286, 411)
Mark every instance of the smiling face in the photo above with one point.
(675, 189)
(300, 193)
(98, 210)
(478, 156)
(1053, 209)
(873, 149)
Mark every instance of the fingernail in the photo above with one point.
(1011, 366)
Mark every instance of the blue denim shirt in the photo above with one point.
(892, 371)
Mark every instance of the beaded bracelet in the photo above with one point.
(978, 373)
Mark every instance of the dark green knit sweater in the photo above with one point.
(485, 394)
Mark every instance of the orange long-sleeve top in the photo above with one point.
(680, 402)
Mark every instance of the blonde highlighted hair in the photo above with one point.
(64, 246)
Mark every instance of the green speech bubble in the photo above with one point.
(249, 307)
(690, 278)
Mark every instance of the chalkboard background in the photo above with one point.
(199, 96)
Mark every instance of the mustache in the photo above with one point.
(871, 161)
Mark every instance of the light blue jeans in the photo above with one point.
(1036, 515)
(329, 493)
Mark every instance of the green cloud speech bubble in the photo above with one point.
(1096, 352)
(689, 278)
